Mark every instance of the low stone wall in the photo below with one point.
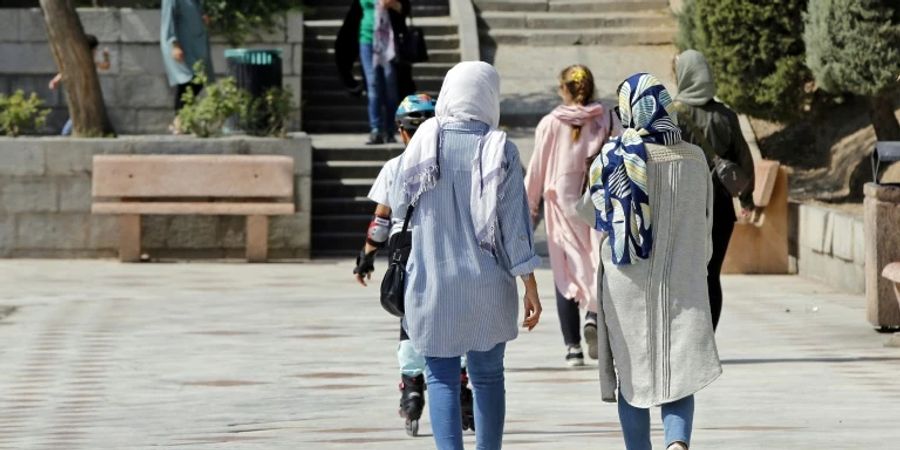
(45, 200)
(831, 245)
(137, 94)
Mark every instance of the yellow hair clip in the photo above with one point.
(578, 74)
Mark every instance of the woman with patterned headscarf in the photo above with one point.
(651, 194)
(565, 141)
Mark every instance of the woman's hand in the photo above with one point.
(532, 303)
(177, 52)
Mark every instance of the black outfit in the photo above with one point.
(180, 89)
(570, 319)
(346, 49)
(722, 130)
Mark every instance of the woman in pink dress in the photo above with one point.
(566, 140)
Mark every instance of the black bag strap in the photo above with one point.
(684, 117)
(409, 212)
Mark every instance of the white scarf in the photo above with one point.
(383, 51)
(471, 91)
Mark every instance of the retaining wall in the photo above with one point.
(45, 200)
(135, 90)
(831, 246)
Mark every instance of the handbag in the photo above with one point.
(393, 286)
(731, 175)
(411, 47)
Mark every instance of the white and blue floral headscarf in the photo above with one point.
(619, 176)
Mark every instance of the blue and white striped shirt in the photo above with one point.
(458, 296)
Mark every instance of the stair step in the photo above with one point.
(338, 12)
(432, 42)
(609, 36)
(310, 83)
(358, 152)
(575, 6)
(436, 26)
(357, 111)
(335, 126)
(568, 21)
(354, 187)
(313, 54)
(356, 223)
(346, 205)
(346, 169)
(421, 69)
(339, 244)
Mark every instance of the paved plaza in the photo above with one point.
(102, 355)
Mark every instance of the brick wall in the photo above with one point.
(135, 89)
(45, 200)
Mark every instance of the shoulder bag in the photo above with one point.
(393, 287)
(733, 178)
(411, 47)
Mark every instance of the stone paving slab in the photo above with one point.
(102, 355)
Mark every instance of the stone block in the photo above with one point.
(124, 120)
(7, 233)
(292, 232)
(74, 193)
(28, 195)
(27, 58)
(859, 242)
(842, 236)
(21, 156)
(74, 156)
(31, 25)
(304, 194)
(140, 25)
(834, 272)
(141, 58)
(188, 145)
(296, 145)
(882, 214)
(294, 83)
(191, 232)
(52, 231)
(295, 27)
(101, 22)
(813, 220)
(39, 85)
(144, 91)
(298, 60)
(109, 88)
(154, 230)
(9, 26)
(231, 232)
(103, 232)
(152, 121)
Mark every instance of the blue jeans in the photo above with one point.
(381, 85)
(677, 417)
(486, 374)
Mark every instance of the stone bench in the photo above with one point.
(242, 185)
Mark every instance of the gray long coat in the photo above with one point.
(654, 325)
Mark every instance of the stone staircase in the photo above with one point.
(327, 107)
(343, 167)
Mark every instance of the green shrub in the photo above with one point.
(853, 45)
(205, 115)
(19, 114)
(684, 40)
(268, 115)
(239, 20)
(756, 51)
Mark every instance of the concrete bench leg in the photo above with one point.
(257, 238)
(129, 238)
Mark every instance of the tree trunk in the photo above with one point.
(76, 62)
(881, 110)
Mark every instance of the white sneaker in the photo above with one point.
(575, 357)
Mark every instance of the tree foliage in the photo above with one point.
(853, 46)
(756, 50)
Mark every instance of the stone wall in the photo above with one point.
(45, 200)
(135, 89)
(831, 246)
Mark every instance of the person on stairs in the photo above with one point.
(651, 195)
(386, 229)
(565, 142)
(699, 112)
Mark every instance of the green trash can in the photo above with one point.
(255, 71)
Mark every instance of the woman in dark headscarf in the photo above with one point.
(699, 112)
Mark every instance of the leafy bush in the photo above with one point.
(684, 40)
(853, 45)
(268, 115)
(239, 20)
(18, 113)
(205, 115)
(756, 51)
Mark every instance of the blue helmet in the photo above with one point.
(413, 110)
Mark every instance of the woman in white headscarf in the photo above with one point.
(471, 238)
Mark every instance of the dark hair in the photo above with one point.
(578, 81)
(92, 41)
